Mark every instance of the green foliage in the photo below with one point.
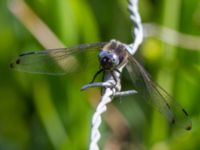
(42, 112)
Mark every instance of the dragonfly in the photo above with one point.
(111, 56)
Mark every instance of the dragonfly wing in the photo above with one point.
(52, 61)
(157, 96)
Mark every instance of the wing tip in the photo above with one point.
(13, 64)
(188, 127)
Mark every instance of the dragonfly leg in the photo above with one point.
(125, 93)
(114, 75)
(103, 88)
(96, 74)
(97, 84)
(117, 70)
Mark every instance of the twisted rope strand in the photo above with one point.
(110, 92)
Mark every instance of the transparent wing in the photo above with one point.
(157, 96)
(52, 61)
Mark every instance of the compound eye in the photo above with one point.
(115, 59)
(102, 54)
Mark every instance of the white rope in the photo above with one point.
(138, 29)
(96, 120)
(111, 91)
(105, 99)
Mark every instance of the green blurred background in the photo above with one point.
(50, 113)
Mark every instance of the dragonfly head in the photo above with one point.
(108, 60)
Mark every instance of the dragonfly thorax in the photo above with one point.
(108, 60)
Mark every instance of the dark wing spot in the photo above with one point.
(18, 61)
(173, 121)
(189, 128)
(185, 112)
